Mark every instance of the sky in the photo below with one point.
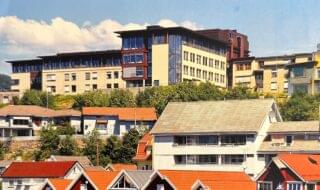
(29, 28)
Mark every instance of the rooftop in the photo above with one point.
(295, 127)
(102, 179)
(127, 114)
(59, 184)
(82, 160)
(121, 166)
(140, 177)
(231, 116)
(298, 146)
(141, 153)
(38, 169)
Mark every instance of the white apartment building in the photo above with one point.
(213, 135)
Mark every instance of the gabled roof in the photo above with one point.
(121, 166)
(59, 184)
(215, 180)
(82, 160)
(140, 177)
(231, 116)
(294, 127)
(141, 153)
(101, 179)
(38, 169)
(306, 166)
(126, 114)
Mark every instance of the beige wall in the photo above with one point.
(81, 83)
(244, 77)
(24, 82)
(220, 71)
(160, 64)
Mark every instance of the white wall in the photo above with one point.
(33, 183)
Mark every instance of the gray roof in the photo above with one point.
(298, 146)
(294, 127)
(83, 160)
(229, 116)
(140, 177)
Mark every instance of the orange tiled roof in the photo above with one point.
(216, 180)
(120, 166)
(102, 179)
(306, 166)
(60, 184)
(141, 154)
(128, 114)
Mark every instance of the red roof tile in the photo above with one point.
(38, 169)
(216, 180)
(60, 184)
(102, 179)
(141, 154)
(306, 166)
(128, 114)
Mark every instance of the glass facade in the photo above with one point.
(133, 59)
(132, 42)
(26, 67)
(175, 62)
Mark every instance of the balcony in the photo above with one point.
(300, 80)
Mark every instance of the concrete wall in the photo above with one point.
(24, 82)
(160, 64)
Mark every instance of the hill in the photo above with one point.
(5, 81)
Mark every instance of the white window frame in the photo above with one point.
(265, 182)
(294, 182)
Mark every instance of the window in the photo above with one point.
(265, 185)
(51, 89)
(199, 73)
(109, 85)
(208, 159)
(15, 82)
(109, 75)
(185, 55)
(208, 140)
(198, 59)
(196, 140)
(20, 122)
(195, 159)
(289, 140)
(192, 71)
(74, 88)
(223, 66)
(115, 85)
(94, 87)
(185, 70)
(210, 62)
(83, 187)
(233, 159)
(74, 76)
(156, 83)
(66, 77)
(222, 78)
(298, 72)
(192, 57)
(180, 159)
(274, 73)
(116, 74)
(94, 76)
(233, 139)
(160, 187)
(66, 89)
(51, 77)
(216, 64)
(273, 86)
(87, 87)
(294, 186)
(204, 75)
(87, 76)
(205, 61)
(210, 76)
(311, 186)
(216, 77)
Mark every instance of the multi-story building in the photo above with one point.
(163, 56)
(69, 73)
(7, 97)
(205, 136)
(267, 74)
(117, 121)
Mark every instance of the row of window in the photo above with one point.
(235, 159)
(213, 139)
(203, 60)
(243, 66)
(88, 87)
(203, 74)
(268, 185)
(88, 76)
(132, 59)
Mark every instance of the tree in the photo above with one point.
(112, 148)
(122, 98)
(49, 143)
(67, 146)
(241, 92)
(66, 129)
(93, 146)
(35, 97)
(129, 145)
(91, 99)
(208, 91)
(3, 150)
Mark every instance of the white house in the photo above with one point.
(117, 121)
(28, 120)
(32, 175)
(213, 135)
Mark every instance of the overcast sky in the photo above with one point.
(36, 27)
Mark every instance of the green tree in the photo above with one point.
(67, 146)
(122, 98)
(3, 150)
(129, 145)
(185, 91)
(49, 143)
(112, 148)
(39, 98)
(91, 99)
(93, 146)
(66, 129)
(208, 91)
(241, 92)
